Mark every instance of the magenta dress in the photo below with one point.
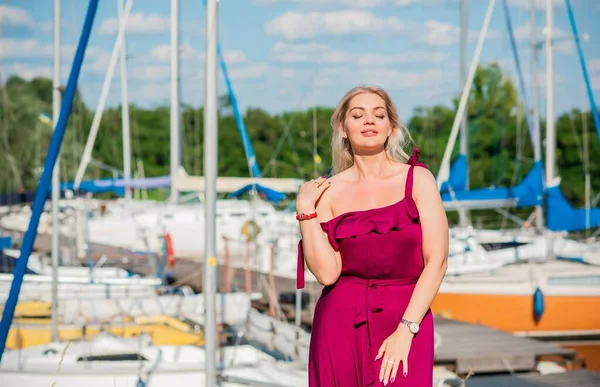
(381, 262)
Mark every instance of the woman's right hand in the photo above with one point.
(309, 193)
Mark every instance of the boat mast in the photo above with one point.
(550, 129)
(125, 111)
(537, 145)
(444, 171)
(464, 135)
(56, 103)
(210, 175)
(175, 118)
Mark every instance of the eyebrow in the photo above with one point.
(361, 108)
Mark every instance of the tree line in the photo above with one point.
(500, 150)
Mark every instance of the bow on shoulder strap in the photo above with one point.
(414, 158)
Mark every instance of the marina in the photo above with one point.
(176, 272)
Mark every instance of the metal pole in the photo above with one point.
(537, 146)
(464, 136)
(56, 97)
(125, 110)
(550, 130)
(175, 121)
(210, 174)
(444, 171)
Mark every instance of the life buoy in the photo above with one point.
(250, 229)
(170, 250)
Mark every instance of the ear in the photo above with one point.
(390, 132)
(342, 132)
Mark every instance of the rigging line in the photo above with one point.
(586, 77)
(578, 142)
(513, 44)
(288, 124)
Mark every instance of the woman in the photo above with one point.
(376, 236)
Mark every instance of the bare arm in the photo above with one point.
(434, 225)
(322, 260)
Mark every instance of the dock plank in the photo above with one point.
(578, 378)
(469, 347)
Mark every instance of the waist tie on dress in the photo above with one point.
(370, 301)
(300, 267)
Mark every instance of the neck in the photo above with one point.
(371, 167)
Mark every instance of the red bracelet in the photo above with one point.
(306, 216)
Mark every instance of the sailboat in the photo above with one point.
(528, 294)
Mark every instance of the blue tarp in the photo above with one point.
(270, 194)
(458, 176)
(562, 217)
(117, 185)
(527, 194)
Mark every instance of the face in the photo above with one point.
(367, 122)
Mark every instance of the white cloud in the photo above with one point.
(137, 23)
(408, 57)
(162, 53)
(523, 33)
(14, 16)
(39, 58)
(26, 70)
(440, 34)
(595, 81)
(306, 25)
(437, 33)
(395, 79)
(254, 71)
(321, 53)
(594, 66)
(150, 72)
(234, 57)
(347, 76)
(307, 53)
(351, 3)
(46, 27)
(295, 25)
(539, 4)
(24, 48)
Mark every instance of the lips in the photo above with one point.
(369, 132)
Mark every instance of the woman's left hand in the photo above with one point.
(394, 350)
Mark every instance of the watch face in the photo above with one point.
(414, 328)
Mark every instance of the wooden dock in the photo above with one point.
(475, 348)
(578, 378)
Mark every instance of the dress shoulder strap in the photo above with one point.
(413, 160)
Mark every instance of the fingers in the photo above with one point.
(389, 368)
(324, 185)
(381, 351)
(386, 369)
(395, 370)
(320, 180)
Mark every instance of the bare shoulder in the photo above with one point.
(425, 185)
(324, 205)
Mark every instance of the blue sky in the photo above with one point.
(291, 54)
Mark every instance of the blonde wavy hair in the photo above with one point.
(396, 144)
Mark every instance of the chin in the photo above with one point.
(369, 148)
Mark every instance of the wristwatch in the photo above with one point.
(413, 327)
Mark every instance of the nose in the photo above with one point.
(369, 119)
